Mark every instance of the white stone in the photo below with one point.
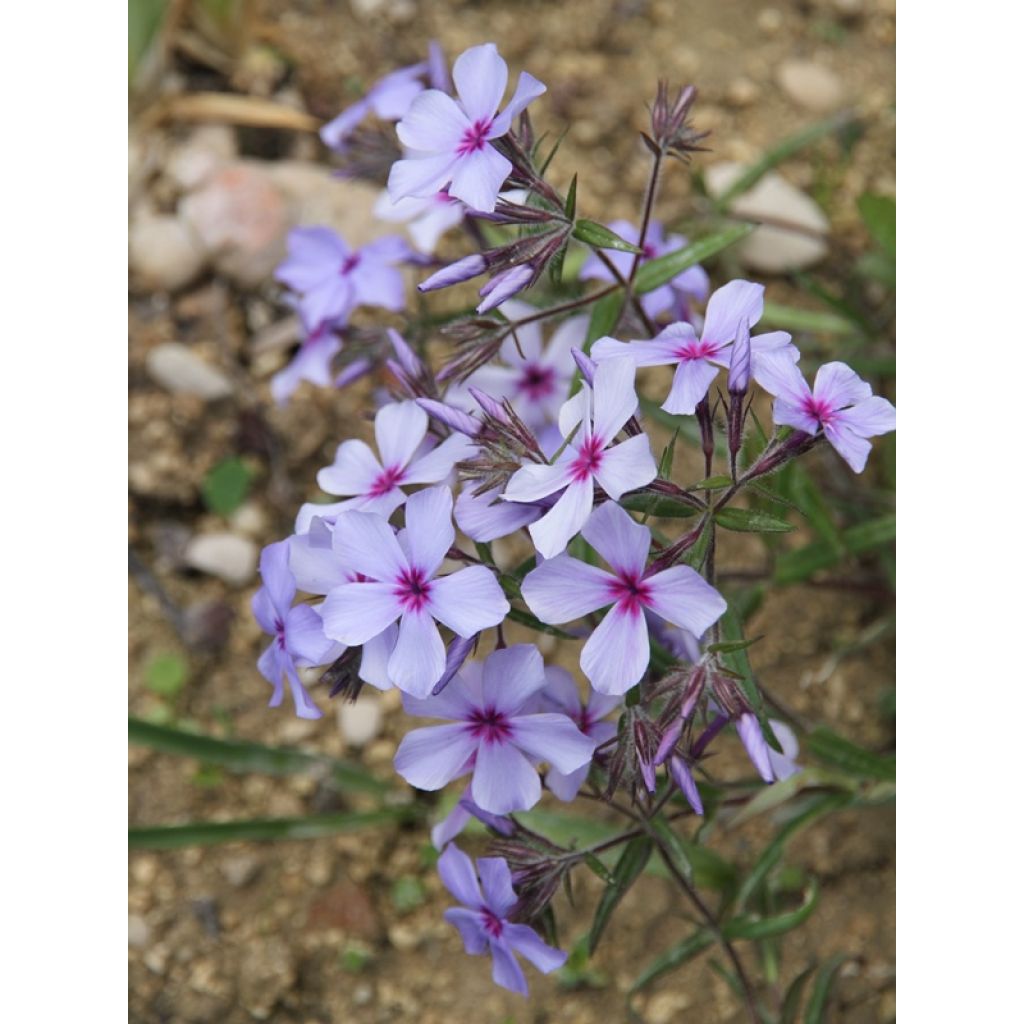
(360, 722)
(163, 253)
(225, 555)
(772, 247)
(206, 149)
(176, 368)
(810, 85)
(138, 931)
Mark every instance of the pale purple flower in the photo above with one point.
(483, 922)
(332, 279)
(505, 284)
(495, 733)
(749, 729)
(448, 140)
(460, 816)
(532, 374)
(298, 635)
(370, 484)
(841, 404)
(698, 360)
(485, 517)
(562, 695)
(311, 362)
(317, 570)
(401, 584)
(682, 776)
(388, 98)
(784, 765)
(589, 422)
(677, 295)
(426, 219)
(617, 653)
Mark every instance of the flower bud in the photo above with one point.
(451, 417)
(504, 285)
(585, 363)
(739, 364)
(454, 273)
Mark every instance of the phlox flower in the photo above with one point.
(770, 764)
(370, 484)
(400, 583)
(589, 422)
(298, 632)
(332, 279)
(496, 733)
(616, 654)
(311, 362)
(483, 922)
(426, 219)
(459, 817)
(841, 404)
(698, 360)
(677, 295)
(448, 140)
(561, 695)
(485, 517)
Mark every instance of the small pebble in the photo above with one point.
(225, 555)
(810, 85)
(179, 370)
(163, 253)
(360, 722)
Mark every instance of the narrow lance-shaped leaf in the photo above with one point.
(597, 235)
(818, 1001)
(654, 273)
(840, 753)
(673, 958)
(750, 927)
(631, 864)
(749, 520)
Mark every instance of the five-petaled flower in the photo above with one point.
(298, 635)
(448, 140)
(616, 654)
(589, 422)
(372, 485)
(332, 279)
(698, 360)
(841, 404)
(400, 582)
(483, 922)
(495, 732)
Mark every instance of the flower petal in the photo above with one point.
(436, 465)
(623, 543)
(536, 481)
(618, 651)
(496, 882)
(690, 384)
(869, 419)
(511, 676)
(354, 470)
(484, 517)
(838, 386)
(614, 397)
(480, 75)
(626, 466)
(430, 758)
(553, 738)
(470, 926)
(399, 428)
(417, 661)
(553, 531)
(373, 666)
(753, 739)
(780, 376)
(458, 874)
(528, 89)
(504, 780)
(304, 636)
(356, 612)
(420, 175)
(434, 123)
(468, 601)
(477, 178)
(853, 448)
(314, 253)
(366, 544)
(526, 942)
(563, 588)
(685, 598)
(505, 970)
(728, 305)
(277, 577)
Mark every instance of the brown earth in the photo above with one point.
(317, 931)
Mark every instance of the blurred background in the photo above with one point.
(313, 896)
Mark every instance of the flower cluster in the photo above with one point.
(532, 435)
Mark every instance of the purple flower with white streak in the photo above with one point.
(561, 694)
(298, 632)
(389, 98)
(617, 653)
(448, 140)
(677, 295)
(589, 422)
(401, 584)
(841, 404)
(483, 923)
(698, 360)
(427, 219)
(372, 485)
(495, 733)
(332, 279)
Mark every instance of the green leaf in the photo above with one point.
(239, 756)
(712, 483)
(749, 520)
(818, 1002)
(805, 494)
(603, 318)
(673, 958)
(654, 273)
(166, 674)
(630, 866)
(144, 20)
(671, 848)
(570, 199)
(660, 505)
(710, 870)
(226, 486)
(732, 646)
(879, 216)
(791, 1001)
(696, 556)
(176, 837)
(777, 154)
(799, 565)
(790, 319)
(589, 232)
(668, 457)
(555, 266)
(840, 753)
(737, 661)
(877, 266)
(752, 927)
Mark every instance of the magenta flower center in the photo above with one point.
(694, 350)
(588, 460)
(474, 137)
(412, 589)
(818, 408)
(489, 725)
(649, 252)
(537, 381)
(279, 630)
(386, 481)
(630, 592)
(491, 922)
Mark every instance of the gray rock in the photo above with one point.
(810, 85)
(225, 555)
(795, 240)
(163, 253)
(178, 369)
(240, 870)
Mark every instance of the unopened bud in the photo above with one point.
(454, 273)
